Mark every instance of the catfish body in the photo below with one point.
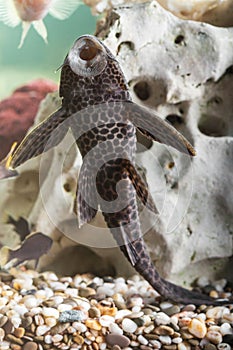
(98, 108)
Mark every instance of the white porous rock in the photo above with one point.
(183, 70)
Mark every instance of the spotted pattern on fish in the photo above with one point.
(98, 108)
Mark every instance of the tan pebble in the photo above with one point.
(214, 294)
(169, 347)
(184, 346)
(99, 339)
(214, 337)
(31, 345)
(164, 330)
(2, 334)
(93, 324)
(50, 321)
(95, 346)
(19, 332)
(3, 320)
(228, 317)
(16, 347)
(105, 310)
(197, 328)
(194, 342)
(78, 339)
(13, 339)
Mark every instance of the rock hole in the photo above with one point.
(142, 90)
(179, 40)
(67, 187)
(117, 35)
(174, 119)
(211, 125)
(126, 44)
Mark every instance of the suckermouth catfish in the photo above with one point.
(97, 107)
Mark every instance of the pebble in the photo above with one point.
(142, 340)
(128, 325)
(117, 339)
(93, 324)
(106, 320)
(197, 328)
(224, 346)
(71, 316)
(19, 332)
(184, 346)
(30, 346)
(164, 330)
(214, 337)
(162, 318)
(79, 339)
(50, 312)
(114, 328)
(165, 339)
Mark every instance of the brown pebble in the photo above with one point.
(95, 346)
(93, 324)
(94, 312)
(210, 347)
(30, 345)
(117, 339)
(59, 328)
(11, 338)
(170, 347)
(110, 311)
(26, 322)
(19, 332)
(8, 327)
(151, 336)
(164, 330)
(86, 292)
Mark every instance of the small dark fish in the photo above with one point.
(98, 108)
(32, 248)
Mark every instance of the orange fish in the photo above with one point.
(32, 12)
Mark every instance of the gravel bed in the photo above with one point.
(41, 311)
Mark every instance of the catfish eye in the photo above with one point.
(87, 57)
(88, 52)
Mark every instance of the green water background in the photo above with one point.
(37, 59)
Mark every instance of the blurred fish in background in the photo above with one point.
(32, 12)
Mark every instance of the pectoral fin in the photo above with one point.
(85, 205)
(45, 136)
(157, 129)
(140, 186)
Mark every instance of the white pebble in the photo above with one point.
(136, 308)
(50, 312)
(129, 326)
(56, 338)
(217, 312)
(165, 305)
(106, 320)
(149, 329)
(114, 328)
(41, 330)
(16, 321)
(122, 313)
(64, 307)
(184, 346)
(36, 310)
(57, 299)
(3, 301)
(103, 346)
(203, 281)
(142, 340)
(72, 292)
(162, 318)
(58, 286)
(105, 291)
(177, 340)
(165, 339)
(20, 309)
(31, 302)
(4, 345)
(80, 327)
(48, 339)
(225, 328)
(224, 346)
